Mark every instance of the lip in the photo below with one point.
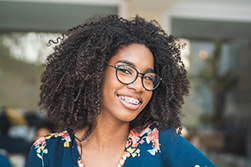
(129, 105)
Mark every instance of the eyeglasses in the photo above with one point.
(127, 75)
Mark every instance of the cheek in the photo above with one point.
(110, 81)
(110, 84)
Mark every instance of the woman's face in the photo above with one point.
(121, 102)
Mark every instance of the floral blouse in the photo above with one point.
(149, 148)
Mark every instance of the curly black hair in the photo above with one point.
(72, 82)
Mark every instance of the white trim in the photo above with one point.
(207, 10)
(122, 4)
(97, 2)
(211, 11)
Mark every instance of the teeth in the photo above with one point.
(129, 100)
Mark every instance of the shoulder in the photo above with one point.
(153, 132)
(49, 148)
(63, 136)
(168, 136)
(177, 151)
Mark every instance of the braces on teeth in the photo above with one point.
(129, 100)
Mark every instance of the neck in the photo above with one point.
(107, 133)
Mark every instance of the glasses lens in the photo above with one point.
(151, 81)
(126, 74)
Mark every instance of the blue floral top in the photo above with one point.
(149, 148)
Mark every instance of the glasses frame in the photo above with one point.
(142, 76)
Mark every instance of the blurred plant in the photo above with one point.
(19, 79)
(219, 83)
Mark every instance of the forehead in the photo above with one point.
(137, 54)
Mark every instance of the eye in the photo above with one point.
(149, 77)
(125, 69)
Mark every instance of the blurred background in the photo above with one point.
(217, 55)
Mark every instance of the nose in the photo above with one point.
(137, 85)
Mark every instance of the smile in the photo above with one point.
(129, 100)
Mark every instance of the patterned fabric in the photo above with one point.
(40, 144)
(142, 149)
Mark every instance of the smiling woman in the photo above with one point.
(118, 86)
(126, 101)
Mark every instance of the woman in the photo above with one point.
(118, 86)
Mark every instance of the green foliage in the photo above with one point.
(19, 80)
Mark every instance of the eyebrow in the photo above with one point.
(126, 62)
(131, 64)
